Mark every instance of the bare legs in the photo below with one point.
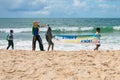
(50, 46)
(97, 46)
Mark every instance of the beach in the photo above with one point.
(59, 65)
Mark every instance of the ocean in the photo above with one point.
(110, 32)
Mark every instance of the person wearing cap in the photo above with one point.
(36, 36)
(49, 37)
(10, 40)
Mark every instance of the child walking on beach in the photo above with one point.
(98, 38)
(10, 40)
(36, 36)
(49, 37)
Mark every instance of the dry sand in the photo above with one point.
(59, 65)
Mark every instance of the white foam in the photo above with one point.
(27, 45)
(19, 30)
(116, 28)
(86, 28)
(73, 28)
(44, 29)
(66, 28)
(16, 30)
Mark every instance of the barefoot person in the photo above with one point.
(10, 40)
(49, 37)
(98, 38)
(36, 37)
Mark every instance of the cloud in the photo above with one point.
(104, 6)
(58, 8)
(45, 11)
(108, 6)
(78, 3)
(28, 5)
(34, 6)
(23, 5)
(37, 12)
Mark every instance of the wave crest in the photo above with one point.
(62, 29)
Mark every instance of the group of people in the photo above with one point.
(36, 37)
(48, 35)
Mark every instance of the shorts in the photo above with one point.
(98, 43)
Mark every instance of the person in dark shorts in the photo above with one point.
(98, 38)
(36, 37)
(49, 37)
(10, 40)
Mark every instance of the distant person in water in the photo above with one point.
(36, 37)
(49, 37)
(10, 40)
(98, 35)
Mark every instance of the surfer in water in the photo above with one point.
(49, 37)
(98, 38)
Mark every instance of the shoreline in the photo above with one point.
(59, 50)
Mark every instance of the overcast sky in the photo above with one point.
(59, 8)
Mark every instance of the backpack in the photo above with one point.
(7, 37)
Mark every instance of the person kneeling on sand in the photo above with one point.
(49, 37)
(36, 37)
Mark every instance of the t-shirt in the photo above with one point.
(10, 36)
(98, 35)
(35, 31)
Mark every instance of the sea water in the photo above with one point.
(110, 32)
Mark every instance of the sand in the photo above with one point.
(59, 65)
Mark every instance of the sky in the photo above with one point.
(59, 8)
